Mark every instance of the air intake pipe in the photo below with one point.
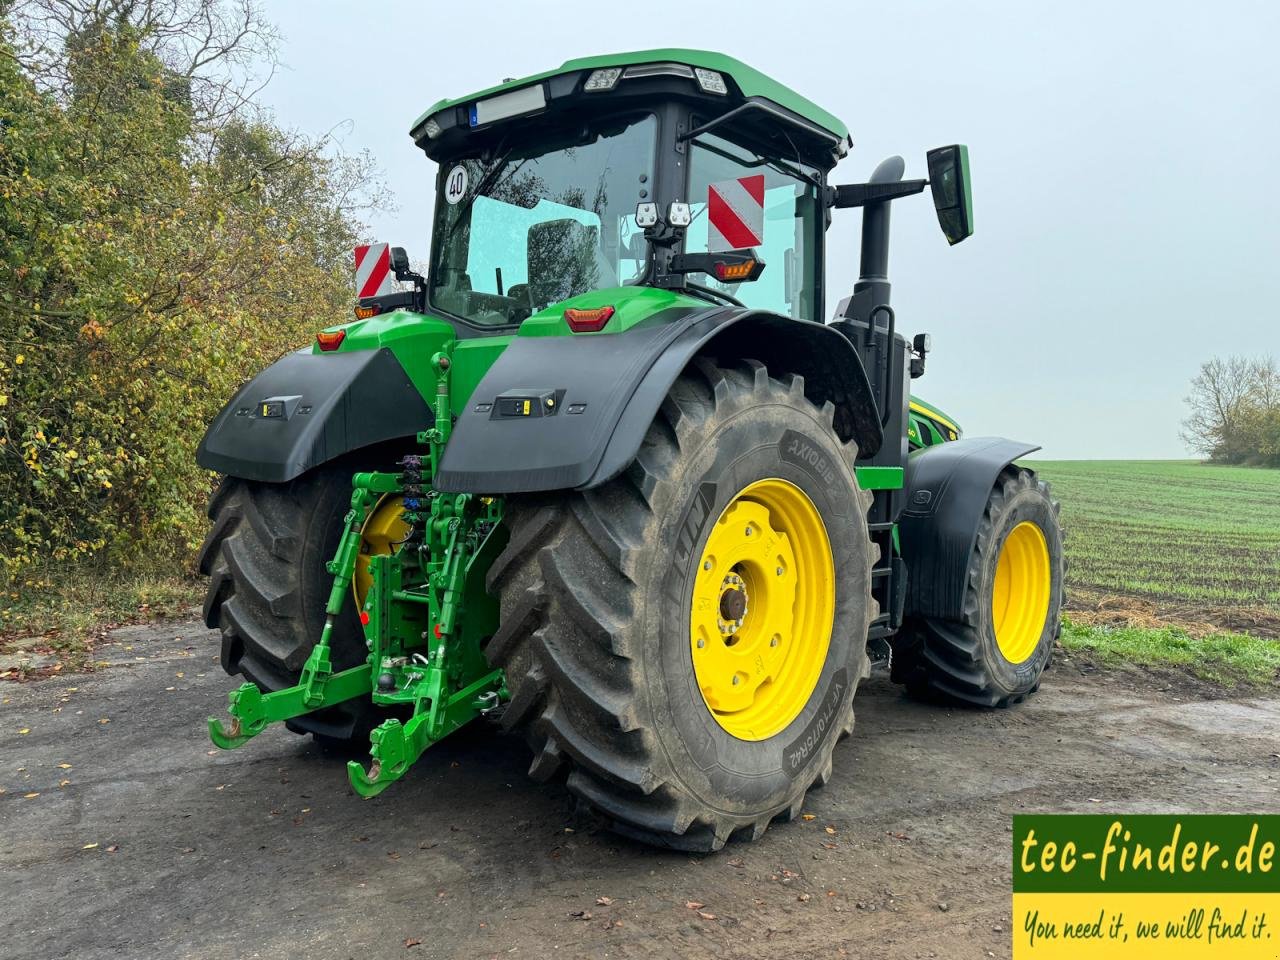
(874, 196)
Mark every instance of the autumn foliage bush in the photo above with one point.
(155, 254)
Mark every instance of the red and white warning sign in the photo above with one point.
(373, 271)
(735, 214)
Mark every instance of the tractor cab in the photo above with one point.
(627, 170)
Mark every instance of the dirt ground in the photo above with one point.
(141, 842)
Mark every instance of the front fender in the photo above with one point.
(329, 404)
(606, 390)
(947, 488)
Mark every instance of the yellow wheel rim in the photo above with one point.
(382, 532)
(763, 604)
(1020, 594)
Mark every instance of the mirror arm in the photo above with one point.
(862, 194)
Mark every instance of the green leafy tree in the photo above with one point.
(162, 243)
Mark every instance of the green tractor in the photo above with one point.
(605, 476)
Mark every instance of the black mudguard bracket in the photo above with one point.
(948, 485)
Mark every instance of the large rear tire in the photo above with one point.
(265, 558)
(994, 655)
(647, 638)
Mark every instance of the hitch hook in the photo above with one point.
(244, 702)
(392, 757)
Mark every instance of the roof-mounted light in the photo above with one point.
(679, 214)
(602, 80)
(658, 70)
(710, 81)
(431, 129)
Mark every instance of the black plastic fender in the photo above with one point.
(605, 390)
(947, 486)
(307, 408)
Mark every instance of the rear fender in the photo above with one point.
(948, 486)
(606, 389)
(328, 404)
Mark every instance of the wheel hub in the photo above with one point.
(763, 604)
(733, 604)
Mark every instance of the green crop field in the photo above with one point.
(1171, 530)
(1197, 546)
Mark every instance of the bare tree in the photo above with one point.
(1219, 395)
(221, 51)
(217, 55)
(1265, 386)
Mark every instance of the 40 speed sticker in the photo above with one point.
(1193, 886)
(455, 184)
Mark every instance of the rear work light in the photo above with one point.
(330, 340)
(603, 79)
(710, 81)
(587, 321)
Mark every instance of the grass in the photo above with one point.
(1226, 659)
(61, 613)
(1198, 545)
(1171, 530)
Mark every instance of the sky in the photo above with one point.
(1125, 159)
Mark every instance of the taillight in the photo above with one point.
(587, 321)
(330, 340)
(364, 313)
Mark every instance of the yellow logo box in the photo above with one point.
(1141, 885)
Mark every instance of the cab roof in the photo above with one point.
(751, 83)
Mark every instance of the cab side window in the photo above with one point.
(741, 201)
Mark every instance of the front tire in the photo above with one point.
(600, 597)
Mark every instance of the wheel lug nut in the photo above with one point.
(735, 679)
(706, 565)
(779, 571)
(748, 531)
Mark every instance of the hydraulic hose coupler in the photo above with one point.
(411, 473)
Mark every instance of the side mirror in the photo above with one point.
(399, 263)
(952, 196)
